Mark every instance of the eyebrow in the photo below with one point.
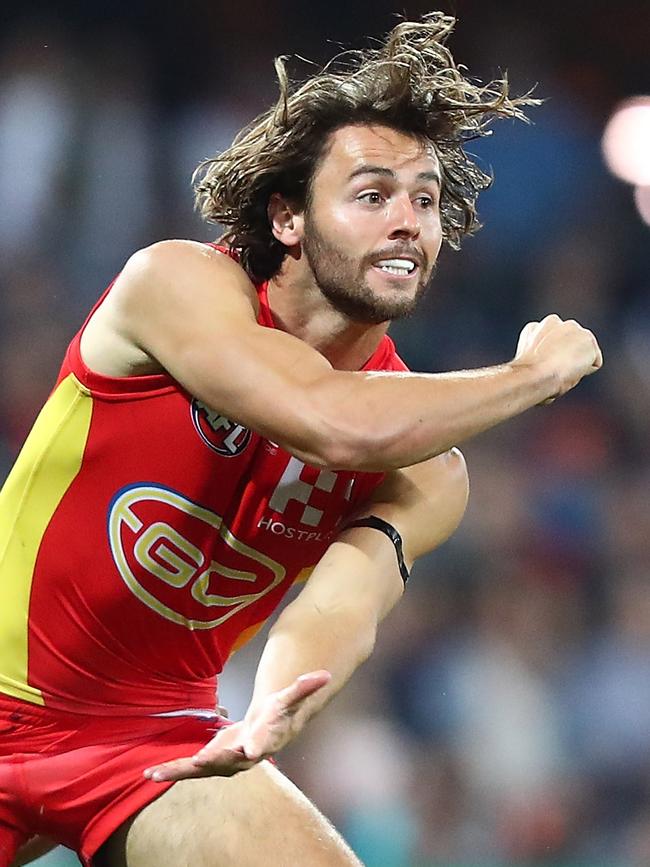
(368, 169)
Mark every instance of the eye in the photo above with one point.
(372, 197)
(425, 202)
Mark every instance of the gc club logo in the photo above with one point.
(225, 437)
(181, 561)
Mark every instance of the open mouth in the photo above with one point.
(397, 267)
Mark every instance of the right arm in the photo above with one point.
(193, 310)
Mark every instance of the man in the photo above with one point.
(229, 421)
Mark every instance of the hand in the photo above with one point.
(564, 348)
(261, 733)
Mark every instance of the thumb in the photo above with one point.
(268, 732)
(304, 686)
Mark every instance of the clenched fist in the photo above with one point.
(563, 348)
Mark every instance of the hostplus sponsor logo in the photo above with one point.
(278, 528)
(292, 490)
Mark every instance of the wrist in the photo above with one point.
(540, 378)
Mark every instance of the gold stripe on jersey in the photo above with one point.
(245, 636)
(45, 469)
(303, 575)
(251, 631)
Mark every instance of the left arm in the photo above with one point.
(331, 627)
(333, 623)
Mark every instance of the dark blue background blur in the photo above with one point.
(505, 717)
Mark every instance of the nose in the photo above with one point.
(404, 221)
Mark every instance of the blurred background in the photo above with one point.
(505, 716)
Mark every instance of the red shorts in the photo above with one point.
(77, 778)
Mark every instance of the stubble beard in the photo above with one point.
(342, 281)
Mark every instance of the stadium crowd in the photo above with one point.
(504, 718)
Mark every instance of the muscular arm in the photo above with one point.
(191, 310)
(331, 627)
(333, 623)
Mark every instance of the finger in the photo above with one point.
(302, 687)
(213, 754)
(598, 363)
(525, 335)
(170, 770)
(267, 734)
(173, 775)
(225, 765)
(548, 321)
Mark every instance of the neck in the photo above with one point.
(300, 308)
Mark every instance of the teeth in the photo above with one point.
(399, 272)
(400, 267)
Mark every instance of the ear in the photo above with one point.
(287, 224)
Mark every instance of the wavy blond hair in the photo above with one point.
(409, 82)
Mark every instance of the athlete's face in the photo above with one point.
(372, 229)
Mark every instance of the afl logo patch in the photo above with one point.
(225, 437)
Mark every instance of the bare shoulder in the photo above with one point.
(426, 501)
(183, 268)
(165, 291)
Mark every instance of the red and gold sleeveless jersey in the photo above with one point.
(144, 537)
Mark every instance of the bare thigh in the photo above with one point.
(255, 819)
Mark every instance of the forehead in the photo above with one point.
(354, 146)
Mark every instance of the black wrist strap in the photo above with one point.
(376, 523)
